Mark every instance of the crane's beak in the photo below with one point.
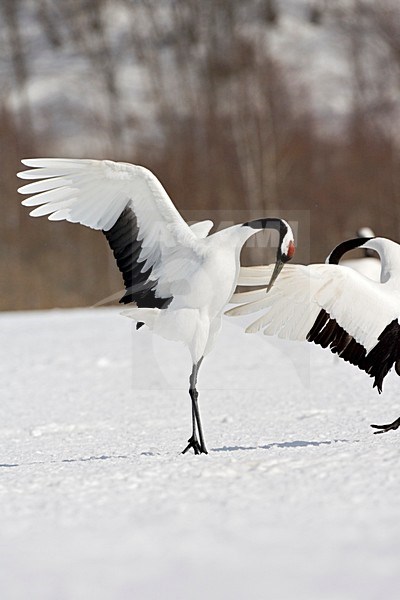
(278, 268)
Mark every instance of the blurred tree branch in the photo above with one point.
(226, 123)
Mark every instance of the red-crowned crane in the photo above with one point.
(178, 279)
(334, 307)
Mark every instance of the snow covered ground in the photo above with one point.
(297, 498)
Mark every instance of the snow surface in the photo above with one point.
(297, 498)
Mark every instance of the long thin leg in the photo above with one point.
(388, 427)
(198, 447)
(194, 395)
(193, 441)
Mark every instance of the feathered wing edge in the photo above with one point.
(100, 195)
(303, 306)
(94, 193)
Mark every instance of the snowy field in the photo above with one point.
(297, 498)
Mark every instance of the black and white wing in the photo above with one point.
(329, 305)
(155, 249)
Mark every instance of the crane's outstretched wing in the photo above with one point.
(329, 305)
(155, 249)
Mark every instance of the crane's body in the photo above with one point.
(335, 307)
(194, 314)
(178, 279)
(369, 266)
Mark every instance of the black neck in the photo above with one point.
(341, 249)
(277, 224)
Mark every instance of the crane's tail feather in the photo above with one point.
(148, 316)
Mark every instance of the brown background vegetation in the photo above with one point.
(233, 129)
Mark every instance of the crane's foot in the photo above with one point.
(197, 447)
(389, 427)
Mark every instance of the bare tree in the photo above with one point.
(226, 126)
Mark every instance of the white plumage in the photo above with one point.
(333, 306)
(178, 279)
(369, 265)
(358, 305)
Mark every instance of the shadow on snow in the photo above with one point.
(294, 444)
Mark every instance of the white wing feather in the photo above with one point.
(202, 228)
(360, 306)
(95, 193)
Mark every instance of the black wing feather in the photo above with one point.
(377, 363)
(123, 240)
(385, 354)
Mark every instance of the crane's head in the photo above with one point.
(286, 247)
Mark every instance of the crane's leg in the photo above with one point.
(388, 427)
(196, 441)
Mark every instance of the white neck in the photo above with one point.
(389, 253)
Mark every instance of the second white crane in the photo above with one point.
(335, 307)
